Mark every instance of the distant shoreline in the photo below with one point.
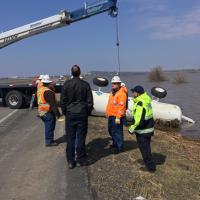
(106, 72)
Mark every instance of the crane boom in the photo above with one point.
(62, 19)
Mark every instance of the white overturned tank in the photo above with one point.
(161, 111)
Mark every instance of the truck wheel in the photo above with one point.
(159, 92)
(14, 99)
(100, 81)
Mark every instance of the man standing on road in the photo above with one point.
(77, 104)
(116, 112)
(143, 125)
(48, 110)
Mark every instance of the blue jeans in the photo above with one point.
(76, 131)
(49, 120)
(116, 132)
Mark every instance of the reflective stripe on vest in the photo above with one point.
(145, 131)
(148, 117)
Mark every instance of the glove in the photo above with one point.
(117, 120)
(131, 131)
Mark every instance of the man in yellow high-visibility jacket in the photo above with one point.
(143, 125)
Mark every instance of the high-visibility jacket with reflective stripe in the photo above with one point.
(43, 106)
(116, 106)
(143, 115)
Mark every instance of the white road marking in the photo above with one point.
(7, 116)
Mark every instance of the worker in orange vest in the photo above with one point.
(116, 113)
(48, 110)
(123, 86)
(39, 82)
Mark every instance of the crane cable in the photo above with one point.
(118, 46)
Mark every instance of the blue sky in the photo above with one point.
(152, 32)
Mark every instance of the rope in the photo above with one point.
(118, 46)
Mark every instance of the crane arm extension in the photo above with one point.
(62, 19)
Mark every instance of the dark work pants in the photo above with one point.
(116, 132)
(144, 144)
(49, 120)
(76, 131)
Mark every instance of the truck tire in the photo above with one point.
(100, 81)
(14, 99)
(159, 92)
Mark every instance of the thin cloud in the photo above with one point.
(163, 22)
(147, 6)
(168, 27)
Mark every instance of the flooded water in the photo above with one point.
(186, 95)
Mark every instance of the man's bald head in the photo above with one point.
(76, 71)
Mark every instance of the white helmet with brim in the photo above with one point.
(46, 79)
(41, 77)
(116, 79)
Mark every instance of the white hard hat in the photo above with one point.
(41, 77)
(116, 79)
(123, 84)
(46, 79)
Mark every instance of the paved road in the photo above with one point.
(31, 171)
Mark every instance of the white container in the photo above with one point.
(161, 111)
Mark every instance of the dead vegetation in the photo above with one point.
(119, 176)
(157, 75)
(179, 79)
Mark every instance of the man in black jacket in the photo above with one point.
(76, 104)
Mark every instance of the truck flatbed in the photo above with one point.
(18, 95)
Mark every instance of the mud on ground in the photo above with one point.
(119, 176)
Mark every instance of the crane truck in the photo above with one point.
(17, 95)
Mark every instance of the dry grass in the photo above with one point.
(157, 75)
(179, 79)
(119, 176)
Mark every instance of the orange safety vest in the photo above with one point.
(43, 106)
(39, 85)
(117, 104)
(126, 91)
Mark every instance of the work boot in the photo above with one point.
(112, 146)
(71, 165)
(116, 151)
(151, 170)
(52, 144)
(82, 163)
(141, 162)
